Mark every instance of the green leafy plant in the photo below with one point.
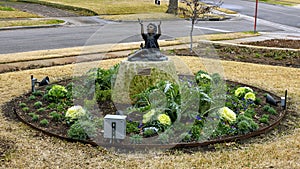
(136, 139)
(204, 80)
(37, 93)
(149, 132)
(25, 109)
(141, 83)
(264, 119)
(266, 108)
(257, 55)
(257, 101)
(61, 107)
(164, 95)
(245, 124)
(272, 111)
(57, 93)
(102, 95)
(35, 117)
(38, 104)
(196, 132)
(41, 110)
(250, 113)
(22, 105)
(52, 106)
(31, 114)
(223, 129)
(31, 97)
(44, 122)
(269, 109)
(77, 132)
(104, 80)
(56, 116)
(132, 127)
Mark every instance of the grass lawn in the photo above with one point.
(115, 7)
(34, 149)
(29, 22)
(8, 12)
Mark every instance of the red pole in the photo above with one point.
(255, 15)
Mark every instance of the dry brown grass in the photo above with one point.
(35, 150)
(135, 17)
(113, 7)
(16, 14)
(29, 22)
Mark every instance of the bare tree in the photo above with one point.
(194, 10)
(173, 7)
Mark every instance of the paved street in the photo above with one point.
(92, 30)
(275, 13)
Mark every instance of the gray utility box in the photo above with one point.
(115, 126)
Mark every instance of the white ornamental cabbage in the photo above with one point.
(75, 112)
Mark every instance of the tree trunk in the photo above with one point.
(173, 7)
(191, 35)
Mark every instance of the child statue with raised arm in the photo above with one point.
(150, 51)
(151, 36)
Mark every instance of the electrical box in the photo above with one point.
(115, 126)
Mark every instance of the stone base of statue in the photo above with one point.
(151, 54)
(142, 73)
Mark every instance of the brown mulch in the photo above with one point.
(286, 58)
(279, 43)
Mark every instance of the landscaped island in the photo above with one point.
(193, 110)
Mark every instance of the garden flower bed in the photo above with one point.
(187, 116)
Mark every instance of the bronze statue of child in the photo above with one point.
(151, 36)
(150, 51)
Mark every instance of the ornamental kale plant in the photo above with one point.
(57, 93)
(74, 113)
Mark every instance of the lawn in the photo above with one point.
(32, 149)
(275, 150)
(29, 22)
(8, 12)
(115, 7)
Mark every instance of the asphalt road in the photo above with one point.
(92, 31)
(71, 36)
(275, 13)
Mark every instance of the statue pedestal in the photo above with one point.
(128, 70)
